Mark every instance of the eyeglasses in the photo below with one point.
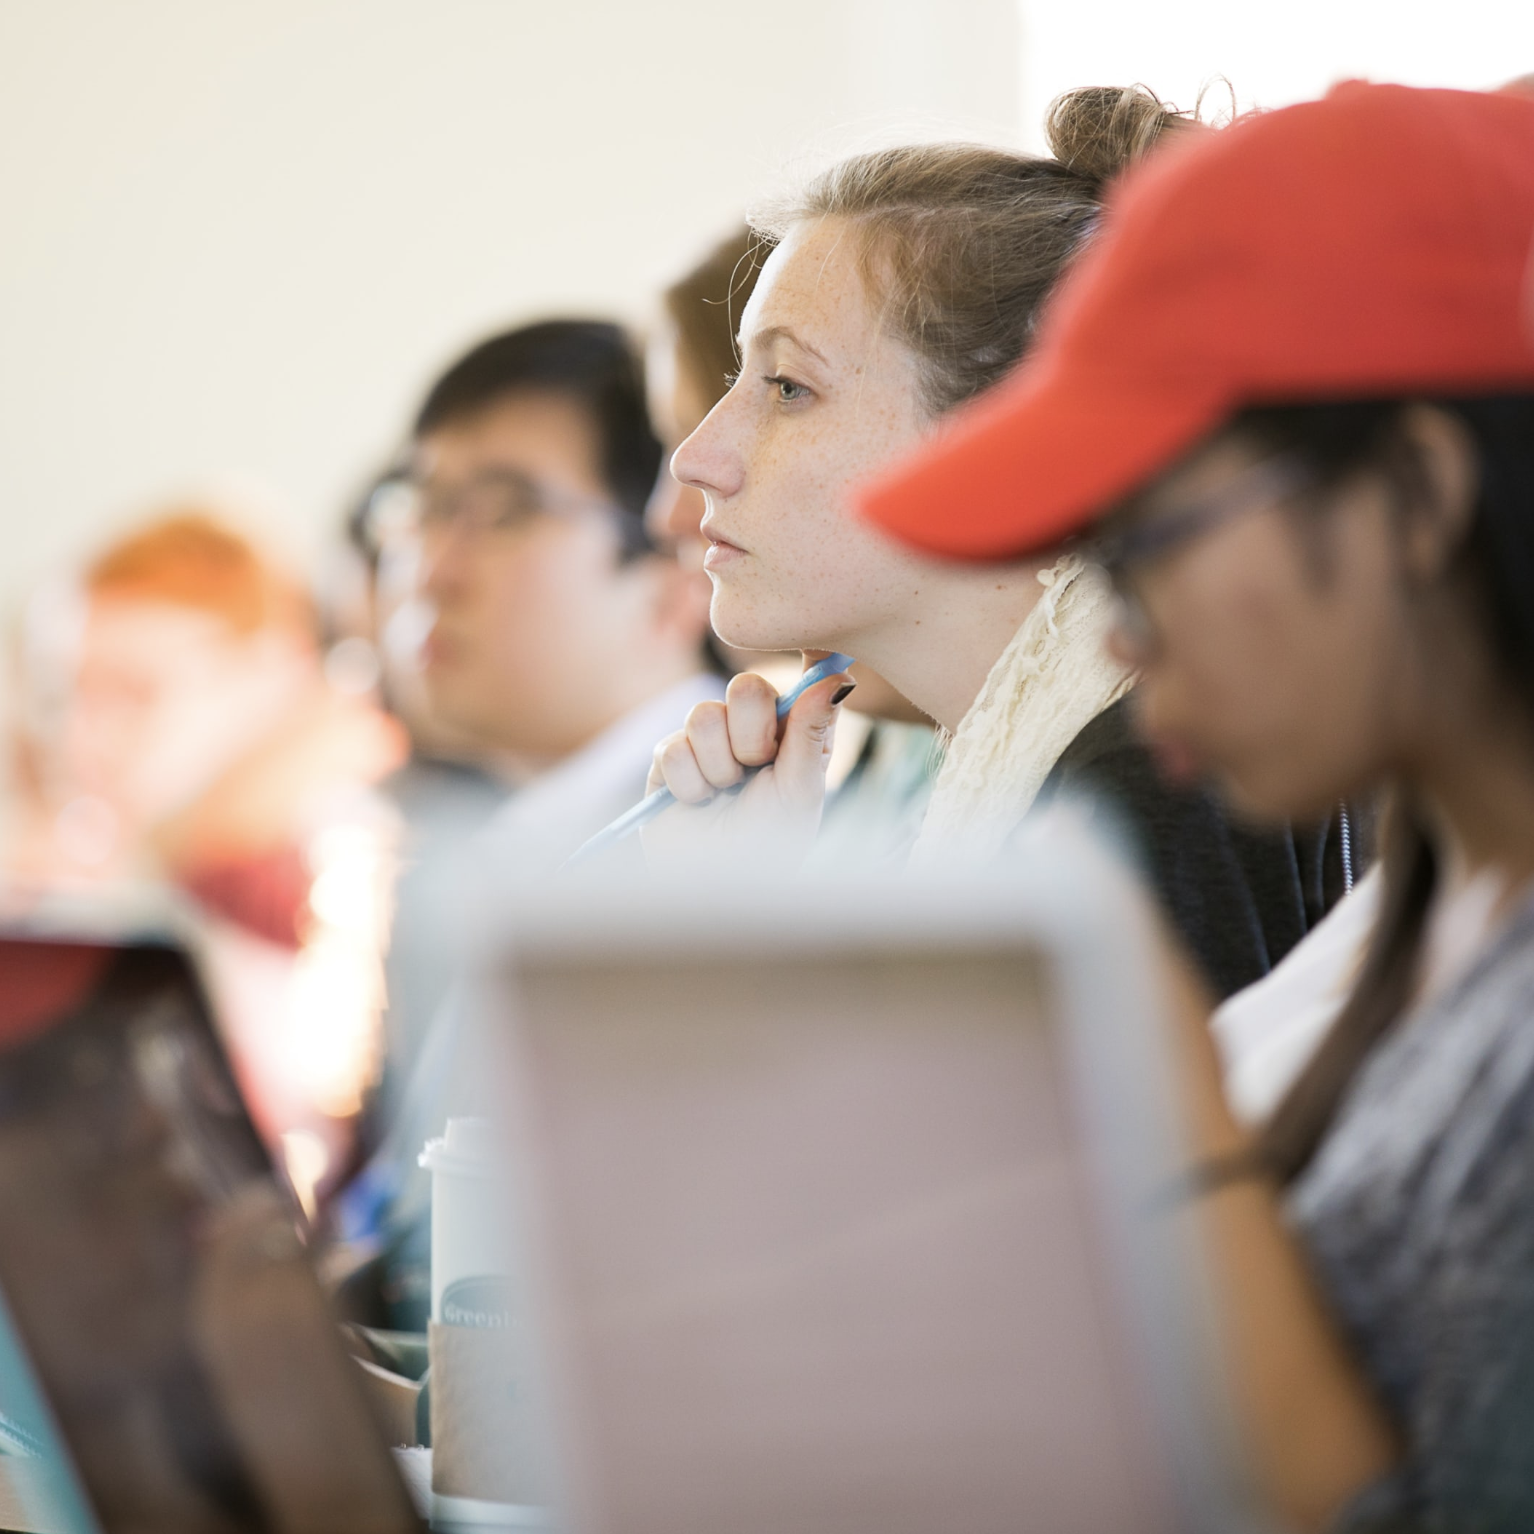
(1120, 552)
(403, 507)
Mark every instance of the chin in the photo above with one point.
(1264, 800)
(744, 627)
(454, 707)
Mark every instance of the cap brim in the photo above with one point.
(1036, 461)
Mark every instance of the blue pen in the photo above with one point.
(651, 806)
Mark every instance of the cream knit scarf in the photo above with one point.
(1051, 681)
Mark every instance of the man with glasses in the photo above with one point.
(544, 618)
(547, 635)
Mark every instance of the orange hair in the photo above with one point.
(189, 559)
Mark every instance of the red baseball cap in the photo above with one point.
(1371, 244)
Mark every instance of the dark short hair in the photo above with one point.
(591, 362)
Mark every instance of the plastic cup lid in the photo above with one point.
(466, 1150)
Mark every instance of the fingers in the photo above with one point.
(708, 733)
(675, 767)
(751, 708)
(805, 749)
(718, 742)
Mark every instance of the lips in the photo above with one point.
(721, 551)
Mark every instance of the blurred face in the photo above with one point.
(824, 398)
(534, 614)
(678, 405)
(165, 698)
(1275, 645)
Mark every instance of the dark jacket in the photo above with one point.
(1239, 898)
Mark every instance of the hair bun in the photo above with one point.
(1100, 130)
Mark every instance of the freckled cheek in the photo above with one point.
(794, 508)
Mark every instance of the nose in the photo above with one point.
(709, 460)
(674, 510)
(442, 567)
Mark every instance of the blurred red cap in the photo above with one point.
(1371, 244)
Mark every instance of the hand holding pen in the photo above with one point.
(750, 768)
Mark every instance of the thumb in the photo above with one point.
(799, 769)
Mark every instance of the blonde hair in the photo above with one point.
(961, 243)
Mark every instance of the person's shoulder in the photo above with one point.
(1176, 830)
(1107, 753)
(1498, 991)
(431, 789)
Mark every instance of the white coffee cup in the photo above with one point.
(470, 1239)
(487, 1460)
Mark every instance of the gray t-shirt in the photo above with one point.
(1418, 1212)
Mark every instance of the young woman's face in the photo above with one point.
(1275, 649)
(824, 398)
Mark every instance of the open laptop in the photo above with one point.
(152, 1269)
(846, 1206)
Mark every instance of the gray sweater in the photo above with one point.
(1418, 1212)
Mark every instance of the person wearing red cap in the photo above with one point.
(904, 282)
(1287, 399)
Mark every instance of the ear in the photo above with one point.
(1444, 487)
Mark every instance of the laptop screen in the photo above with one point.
(153, 1268)
(821, 1252)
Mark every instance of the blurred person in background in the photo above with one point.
(375, 620)
(550, 620)
(881, 767)
(191, 737)
(1318, 517)
(554, 636)
(903, 283)
(690, 361)
(1268, 1032)
(444, 795)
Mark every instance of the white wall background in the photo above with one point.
(1271, 52)
(238, 236)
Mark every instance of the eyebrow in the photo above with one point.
(783, 333)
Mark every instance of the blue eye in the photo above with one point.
(788, 391)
